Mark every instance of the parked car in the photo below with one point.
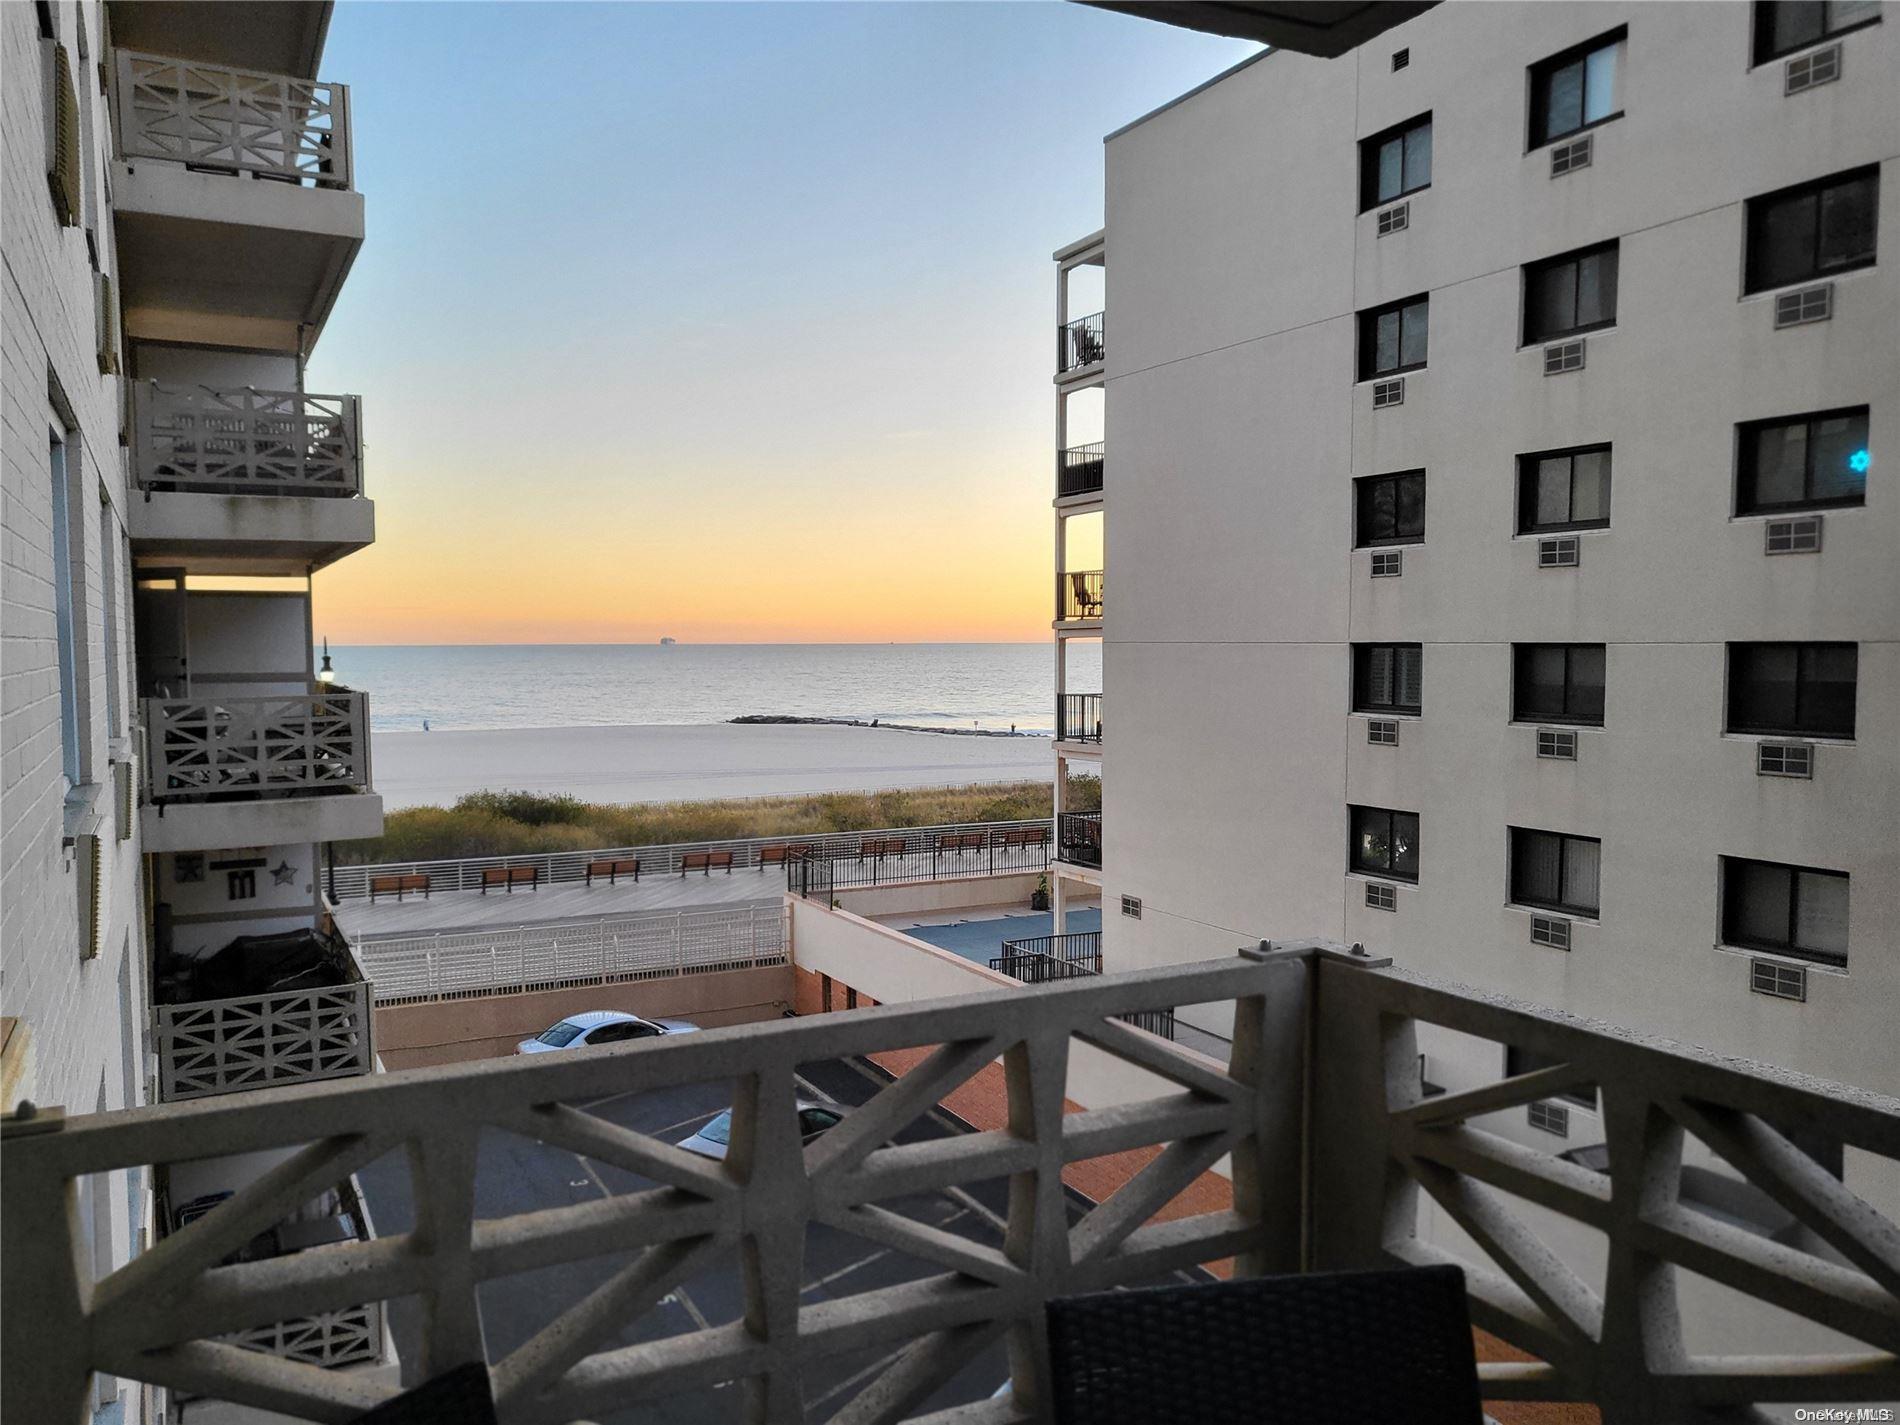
(600, 1026)
(711, 1141)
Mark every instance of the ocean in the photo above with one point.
(988, 685)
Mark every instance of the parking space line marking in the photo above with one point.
(876, 1367)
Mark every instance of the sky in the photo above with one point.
(725, 322)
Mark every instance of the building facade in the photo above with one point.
(1502, 548)
(180, 215)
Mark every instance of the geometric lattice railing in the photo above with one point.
(289, 743)
(257, 1041)
(246, 442)
(159, 1318)
(1320, 1116)
(1615, 1324)
(232, 120)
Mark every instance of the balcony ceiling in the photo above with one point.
(1318, 27)
(285, 37)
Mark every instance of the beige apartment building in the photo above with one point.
(180, 214)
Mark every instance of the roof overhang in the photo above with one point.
(1318, 27)
(281, 37)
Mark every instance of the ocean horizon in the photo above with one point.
(453, 687)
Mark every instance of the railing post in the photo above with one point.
(45, 1344)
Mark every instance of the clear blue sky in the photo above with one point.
(713, 317)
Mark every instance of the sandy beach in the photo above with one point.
(666, 764)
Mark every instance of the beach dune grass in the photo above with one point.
(512, 823)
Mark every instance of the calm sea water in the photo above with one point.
(989, 685)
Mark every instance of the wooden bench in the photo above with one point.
(878, 847)
(705, 861)
(962, 841)
(614, 869)
(508, 877)
(1024, 836)
(397, 885)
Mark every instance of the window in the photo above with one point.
(1392, 338)
(1570, 294)
(65, 610)
(1578, 88)
(1792, 689)
(1387, 677)
(1526, 1061)
(1384, 843)
(109, 600)
(1563, 489)
(1391, 509)
(1557, 682)
(1396, 162)
(1790, 910)
(1802, 462)
(1813, 230)
(1555, 872)
(1784, 26)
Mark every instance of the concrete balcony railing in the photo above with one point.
(213, 119)
(1318, 1118)
(294, 744)
(242, 441)
(226, 1043)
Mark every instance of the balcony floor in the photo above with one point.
(564, 900)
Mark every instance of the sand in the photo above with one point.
(667, 764)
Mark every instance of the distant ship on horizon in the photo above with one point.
(668, 642)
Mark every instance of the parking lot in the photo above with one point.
(517, 1175)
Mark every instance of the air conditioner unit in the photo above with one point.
(89, 852)
(1395, 219)
(1810, 304)
(1558, 743)
(1388, 563)
(1563, 356)
(1382, 732)
(1131, 907)
(1784, 759)
(1382, 897)
(1569, 157)
(125, 787)
(1549, 1117)
(1564, 551)
(1778, 981)
(1400, 58)
(1801, 535)
(1550, 930)
(1806, 71)
(1388, 393)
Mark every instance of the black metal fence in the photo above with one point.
(1080, 343)
(1079, 594)
(1079, 472)
(890, 857)
(1079, 718)
(1079, 838)
(1040, 959)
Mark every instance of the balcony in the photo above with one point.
(223, 771)
(1079, 471)
(262, 1012)
(1079, 718)
(1080, 347)
(236, 211)
(1079, 596)
(1316, 1123)
(1079, 838)
(243, 481)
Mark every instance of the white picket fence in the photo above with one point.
(650, 945)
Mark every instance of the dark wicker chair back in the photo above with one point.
(457, 1397)
(1347, 1346)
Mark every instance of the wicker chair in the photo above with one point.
(1348, 1346)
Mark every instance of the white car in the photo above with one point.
(600, 1026)
(711, 1141)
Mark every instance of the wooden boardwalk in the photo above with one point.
(565, 900)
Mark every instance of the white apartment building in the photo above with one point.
(179, 217)
(1503, 553)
